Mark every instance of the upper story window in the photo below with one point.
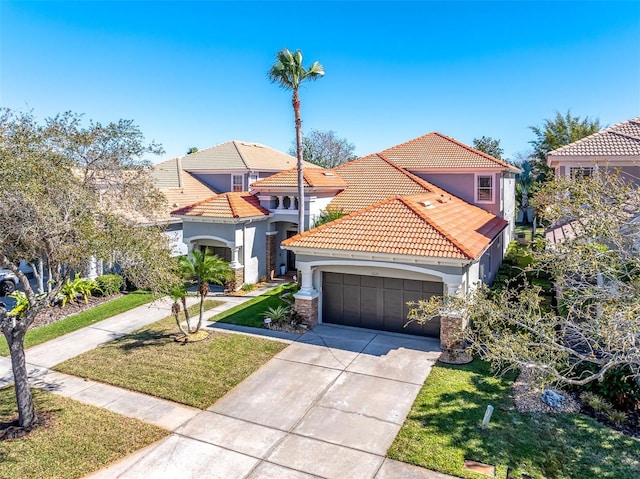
(237, 183)
(485, 189)
(580, 171)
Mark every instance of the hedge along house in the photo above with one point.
(404, 238)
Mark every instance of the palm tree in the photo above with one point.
(204, 268)
(179, 295)
(289, 73)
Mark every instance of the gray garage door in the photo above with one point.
(376, 303)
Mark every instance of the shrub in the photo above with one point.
(617, 417)
(73, 289)
(109, 284)
(595, 402)
(278, 315)
(618, 387)
(248, 287)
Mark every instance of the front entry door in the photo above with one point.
(291, 257)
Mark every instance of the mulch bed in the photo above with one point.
(56, 313)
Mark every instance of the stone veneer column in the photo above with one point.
(306, 304)
(271, 254)
(452, 326)
(239, 277)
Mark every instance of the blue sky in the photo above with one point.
(194, 73)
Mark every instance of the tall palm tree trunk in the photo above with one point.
(296, 109)
(187, 318)
(203, 290)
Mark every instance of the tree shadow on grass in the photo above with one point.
(143, 339)
(530, 445)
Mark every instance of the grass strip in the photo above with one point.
(250, 312)
(443, 429)
(80, 320)
(151, 362)
(77, 440)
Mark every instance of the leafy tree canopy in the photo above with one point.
(71, 193)
(557, 132)
(488, 145)
(325, 149)
(596, 268)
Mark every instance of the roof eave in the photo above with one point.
(214, 219)
(365, 255)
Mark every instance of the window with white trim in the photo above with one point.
(237, 183)
(484, 189)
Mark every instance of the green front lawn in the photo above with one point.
(80, 320)
(250, 313)
(151, 362)
(77, 440)
(443, 429)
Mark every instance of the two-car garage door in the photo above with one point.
(376, 302)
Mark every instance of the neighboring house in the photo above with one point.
(616, 147)
(228, 167)
(405, 236)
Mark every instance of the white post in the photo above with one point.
(234, 257)
(280, 204)
(292, 202)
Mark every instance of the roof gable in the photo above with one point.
(238, 155)
(435, 150)
(621, 139)
(430, 225)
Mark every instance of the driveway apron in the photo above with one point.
(328, 406)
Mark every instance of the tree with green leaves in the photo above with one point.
(328, 215)
(488, 145)
(289, 73)
(555, 133)
(69, 194)
(325, 149)
(204, 268)
(596, 270)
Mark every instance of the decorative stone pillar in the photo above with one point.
(306, 304)
(452, 326)
(238, 277)
(292, 202)
(307, 309)
(280, 204)
(271, 253)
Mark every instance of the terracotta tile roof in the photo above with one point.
(192, 191)
(435, 150)
(430, 225)
(622, 139)
(228, 205)
(372, 179)
(239, 155)
(313, 177)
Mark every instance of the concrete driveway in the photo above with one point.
(329, 406)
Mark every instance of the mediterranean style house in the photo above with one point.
(226, 167)
(431, 216)
(616, 147)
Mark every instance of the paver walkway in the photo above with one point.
(328, 406)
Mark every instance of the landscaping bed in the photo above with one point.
(444, 428)
(75, 440)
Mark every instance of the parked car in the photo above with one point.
(8, 282)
